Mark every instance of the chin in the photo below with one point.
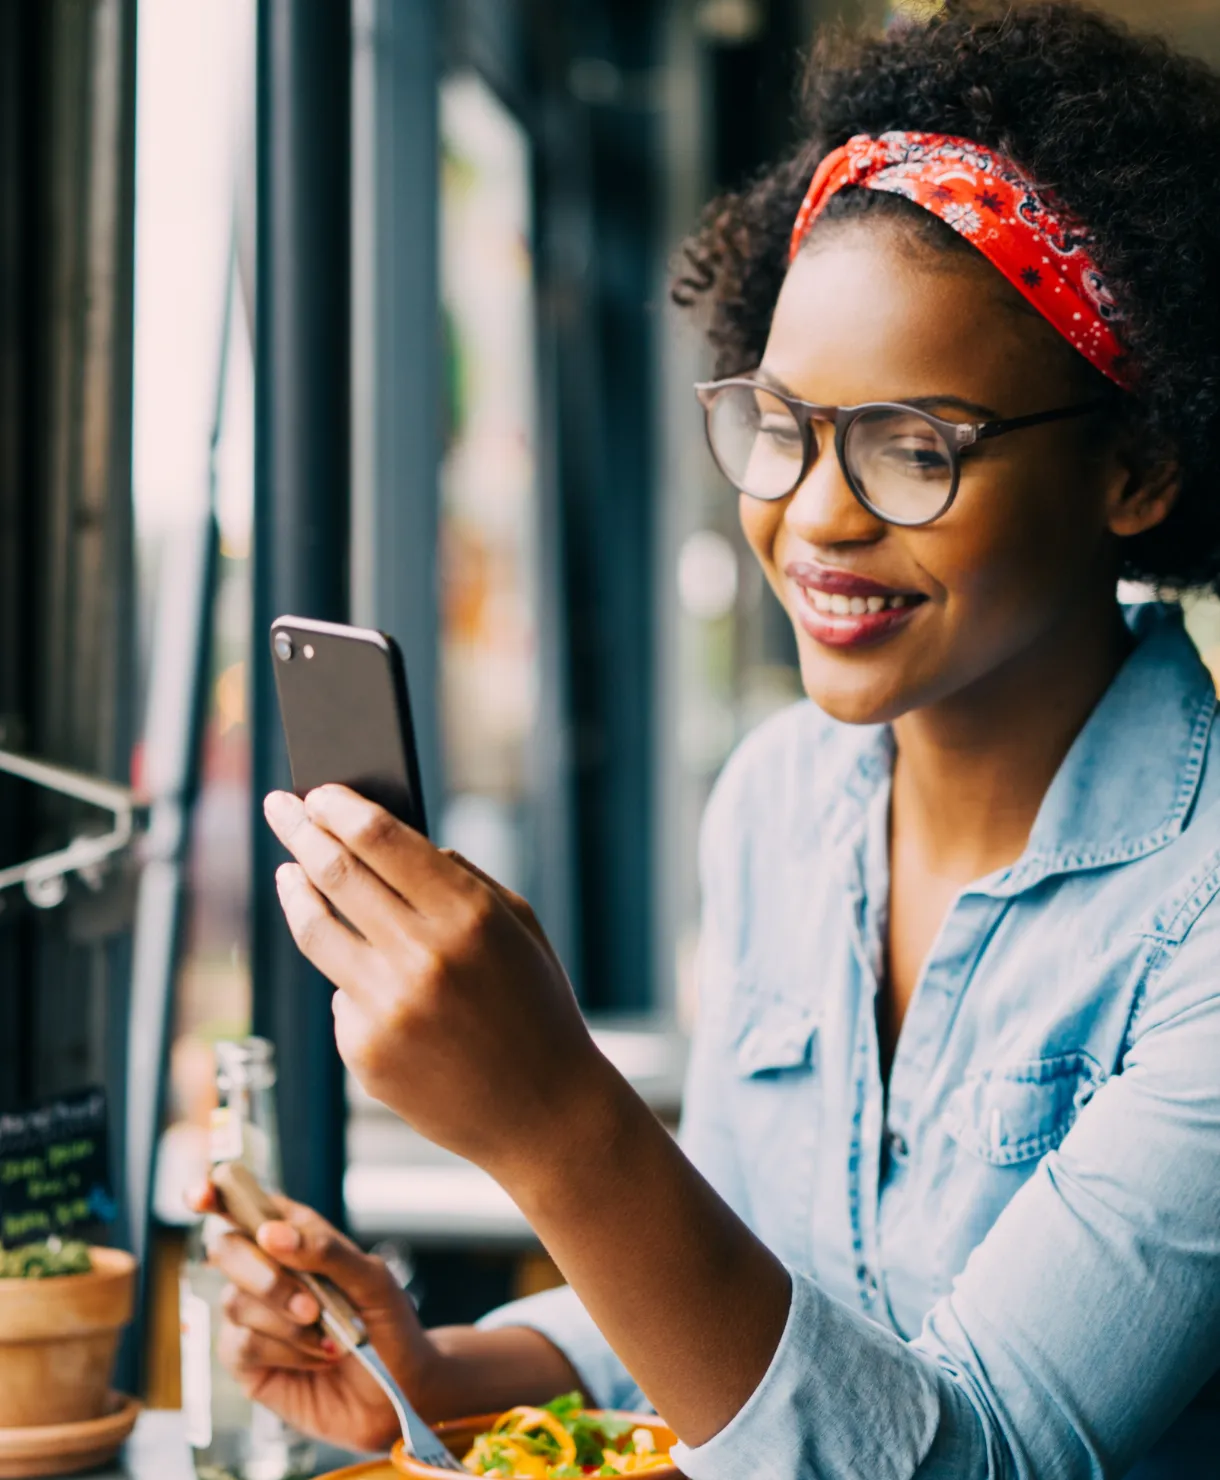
(850, 692)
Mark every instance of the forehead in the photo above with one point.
(869, 313)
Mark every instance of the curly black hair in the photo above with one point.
(1117, 128)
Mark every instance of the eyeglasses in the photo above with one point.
(901, 462)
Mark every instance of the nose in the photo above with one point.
(823, 511)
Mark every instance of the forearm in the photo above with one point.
(474, 1371)
(691, 1301)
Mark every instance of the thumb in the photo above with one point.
(301, 1239)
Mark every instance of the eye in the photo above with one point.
(916, 456)
(780, 429)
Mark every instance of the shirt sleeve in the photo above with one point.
(1081, 1326)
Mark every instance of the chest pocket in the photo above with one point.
(1000, 1123)
(775, 1039)
(777, 1116)
(1019, 1112)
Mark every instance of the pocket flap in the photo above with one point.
(1021, 1111)
(776, 1038)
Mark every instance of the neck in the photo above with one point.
(971, 771)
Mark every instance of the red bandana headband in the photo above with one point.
(984, 197)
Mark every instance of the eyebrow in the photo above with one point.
(922, 403)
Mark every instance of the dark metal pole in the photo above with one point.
(395, 500)
(396, 352)
(19, 259)
(301, 511)
(67, 153)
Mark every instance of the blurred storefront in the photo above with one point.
(499, 460)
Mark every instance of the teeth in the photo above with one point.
(856, 606)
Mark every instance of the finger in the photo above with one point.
(249, 1354)
(412, 866)
(255, 1315)
(258, 1275)
(340, 956)
(203, 1199)
(371, 906)
(304, 1240)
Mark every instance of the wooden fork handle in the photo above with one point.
(248, 1204)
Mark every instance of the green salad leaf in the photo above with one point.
(500, 1459)
(565, 1405)
(591, 1433)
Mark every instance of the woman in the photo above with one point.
(948, 1198)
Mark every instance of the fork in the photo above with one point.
(248, 1205)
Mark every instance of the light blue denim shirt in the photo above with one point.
(1011, 1266)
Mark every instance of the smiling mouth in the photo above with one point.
(841, 610)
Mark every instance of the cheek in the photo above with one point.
(761, 522)
(1014, 545)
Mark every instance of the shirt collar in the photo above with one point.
(1126, 786)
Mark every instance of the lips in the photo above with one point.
(841, 609)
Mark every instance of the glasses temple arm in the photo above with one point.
(1014, 423)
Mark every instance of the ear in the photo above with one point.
(1142, 498)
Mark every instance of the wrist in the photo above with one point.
(596, 1122)
(427, 1384)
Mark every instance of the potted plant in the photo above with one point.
(63, 1306)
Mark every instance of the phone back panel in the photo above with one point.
(346, 714)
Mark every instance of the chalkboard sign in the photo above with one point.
(54, 1169)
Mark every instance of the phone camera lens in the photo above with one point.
(283, 647)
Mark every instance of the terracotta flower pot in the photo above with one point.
(57, 1342)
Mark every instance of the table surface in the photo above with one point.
(157, 1450)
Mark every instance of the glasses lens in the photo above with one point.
(756, 440)
(901, 464)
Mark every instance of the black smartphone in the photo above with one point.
(346, 714)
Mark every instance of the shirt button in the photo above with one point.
(898, 1145)
(868, 1282)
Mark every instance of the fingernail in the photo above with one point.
(334, 804)
(284, 811)
(279, 1238)
(276, 806)
(317, 801)
(246, 1269)
(304, 1308)
(331, 1348)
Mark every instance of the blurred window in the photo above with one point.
(489, 490)
(193, 449)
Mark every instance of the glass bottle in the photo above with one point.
(232, 1438)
